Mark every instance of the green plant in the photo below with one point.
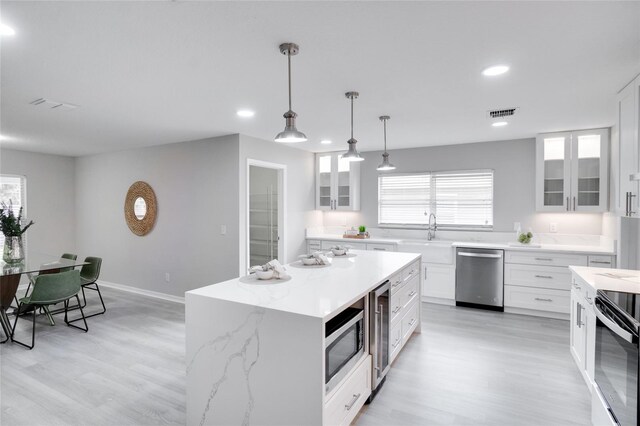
(362, 228)
(9, 223)
(525, 238)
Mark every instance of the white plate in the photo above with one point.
(344, 256)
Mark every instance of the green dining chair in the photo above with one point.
(49, 289)
(89, 275)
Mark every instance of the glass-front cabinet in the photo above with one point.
(572, 171)
(337, 183)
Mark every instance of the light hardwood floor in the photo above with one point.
(467, 367)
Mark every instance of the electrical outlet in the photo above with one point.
(167, 277)
(553, 227)
(223, 229)
(516, 226)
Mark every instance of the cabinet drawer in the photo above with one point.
(313, 245)
(541, 258)
(326, 245)
(395, 340)
(539, 299)
(410, 322)
(556, 277)
(396, 306)
(343, 406)
(411, 271)
(380, 247)
(601, 261)
(396, 282)
(410, 292)
(586, 291)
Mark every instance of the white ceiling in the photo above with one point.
(149, 73)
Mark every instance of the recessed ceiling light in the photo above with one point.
(6, 30)
(495, 70)
(499, 123)
(245, 113)
(325, 142)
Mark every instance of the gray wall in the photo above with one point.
(50, 198)
(196, 188)
(300, 188)
(513, 163)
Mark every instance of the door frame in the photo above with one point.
(282, 207)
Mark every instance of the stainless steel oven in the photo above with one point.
(617, 357)
(344, 345)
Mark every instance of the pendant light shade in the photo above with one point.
(352, 154)
(290, 134)
(386, 165)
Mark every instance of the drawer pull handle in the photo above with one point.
(590, 300)
(396, 283)
(396, 310)
(601, 262)
(395, 343)
(353, 401)
(380, 249)
(543, 300)
(546, 259)
(577, 286)
(413, 321)
(413, 292)
(548, 277)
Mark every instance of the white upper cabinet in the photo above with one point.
(627, 162)
(337, 183)
(572, 171)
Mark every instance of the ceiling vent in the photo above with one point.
(501, 113)
(48, 103)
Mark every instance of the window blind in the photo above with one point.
(457, 198)
(404, 199)
(464, 198)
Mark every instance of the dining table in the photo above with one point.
(34, 263)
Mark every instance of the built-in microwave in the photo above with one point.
(344, 345)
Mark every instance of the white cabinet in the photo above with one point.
(439, 281)
(344, 405)
(337, 183)
(583, 328)
(381, 247)
(627, 163)
(572, 171)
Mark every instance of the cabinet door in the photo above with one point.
(324, 182)
(628, 110)
(347, 184)
(578, 340)
(553, 172)
(589, 170)
(439, 281)
(590, 340)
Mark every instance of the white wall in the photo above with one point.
(196, 188)
(50, 199)
(513, 163)
(300, 187)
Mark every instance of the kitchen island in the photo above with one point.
(255, 349)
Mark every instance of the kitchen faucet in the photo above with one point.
(431, 229)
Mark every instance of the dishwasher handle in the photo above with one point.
(485, 255)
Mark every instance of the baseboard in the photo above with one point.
(439, 300)
(149, 293)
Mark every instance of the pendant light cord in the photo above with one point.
(289, 67)
(384, 123)
(351, 116)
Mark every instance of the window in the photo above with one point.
(459, 199)
(12, 189)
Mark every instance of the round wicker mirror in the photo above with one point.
(140, 208)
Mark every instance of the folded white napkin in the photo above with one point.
(321, 259)
(279, 271)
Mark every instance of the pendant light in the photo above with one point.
(352, 153)
(290, 133)
(386, 165)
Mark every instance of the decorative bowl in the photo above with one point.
(264, 275)
(341, 251)
(309, 261)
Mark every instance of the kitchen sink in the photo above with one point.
(434, 251)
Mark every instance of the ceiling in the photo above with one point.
(150, 73)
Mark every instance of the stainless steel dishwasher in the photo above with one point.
(479, 278)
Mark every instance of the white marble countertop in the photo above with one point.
(622, 280)
(314, 291)
(574, 248)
